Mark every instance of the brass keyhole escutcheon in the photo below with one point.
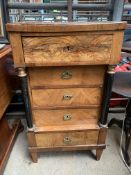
(67, 140)
(67, 117)
(67, 74)
(67, 97)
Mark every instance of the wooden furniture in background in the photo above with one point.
(7, 133)
(5, 91)
(0, 27)
(66, 73)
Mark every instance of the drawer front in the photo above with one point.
(66, 97)
(43, 118)
(67, 138)
(82, 49)
(67, 76)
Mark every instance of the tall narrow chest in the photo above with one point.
(66, 73)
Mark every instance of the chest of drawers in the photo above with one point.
(66, 73)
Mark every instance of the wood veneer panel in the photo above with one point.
(90, 49)
(75, 138)
(43, 118)
(55, 97)
(53, 76)
(116, 47)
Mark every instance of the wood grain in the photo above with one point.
(7, 139)
(82, 118)
(101, 140)
(4, 82)
(55, 97)
(66, 148)
(31, 138)
(53, 76)
(76, 138)
(6, 134)
(4, 102)
(116, 47)
(4, 77)
(15, 40)
(94, 49)
(5, 51)
(92, 124)
(102, 135)
(5, 88)
(32, 143)
(74, 127)
(64, 27)
(44, 34)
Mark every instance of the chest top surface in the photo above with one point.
(61, 44)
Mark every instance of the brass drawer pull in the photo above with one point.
(67, 140)
(67, 97)
(67, 74)
(67, 117)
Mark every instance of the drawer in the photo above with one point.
(55, 139)
(67, 76)
(69, 50)
(66, 97)
(58, 118)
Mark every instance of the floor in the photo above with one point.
(67, 163)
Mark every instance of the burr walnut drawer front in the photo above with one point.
(54, 139)
(67, 76)
(72, 50)
(68, 117)
(66, 97)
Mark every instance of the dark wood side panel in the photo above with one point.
(7, 139)
(5, 88)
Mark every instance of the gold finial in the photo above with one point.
(21, 72)
(111, 69)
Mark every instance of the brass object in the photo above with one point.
(21, 72)
(111, 69)
(67, 97)
(67, 117)
(67, 140)
(31, 129)
(67, 74)
(103, 126)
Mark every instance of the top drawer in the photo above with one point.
(84, 49)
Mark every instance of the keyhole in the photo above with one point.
(68, 48)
